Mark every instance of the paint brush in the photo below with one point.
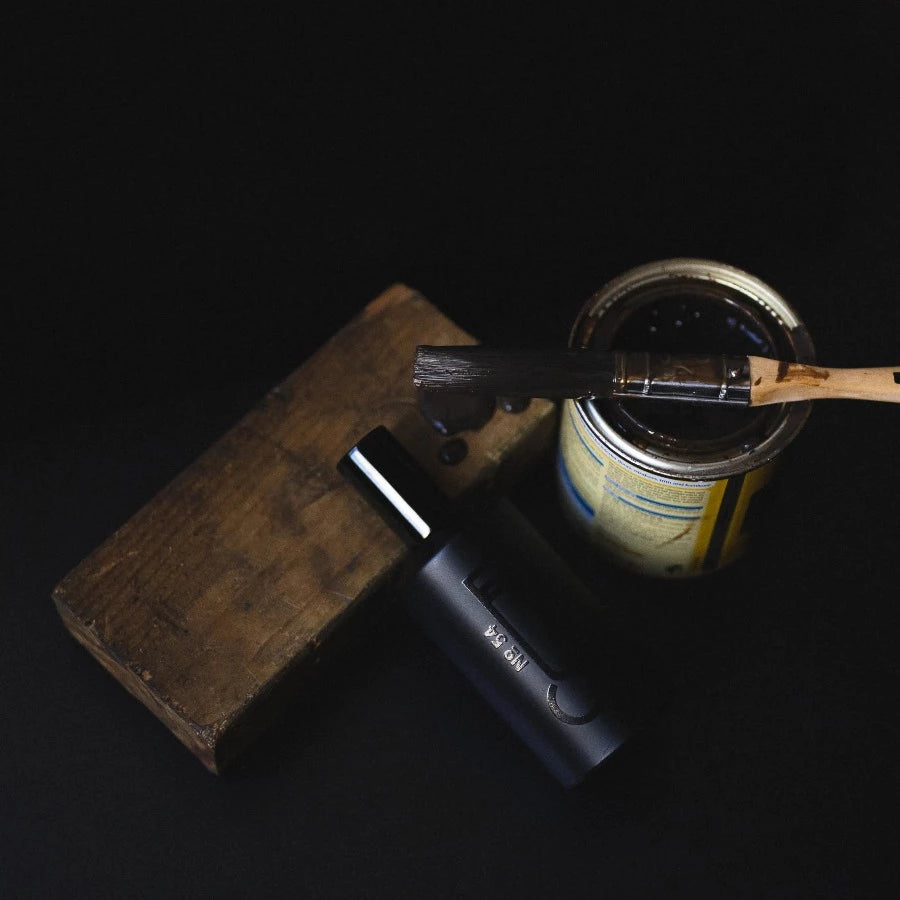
(573, 373)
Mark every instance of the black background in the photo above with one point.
(197, 199)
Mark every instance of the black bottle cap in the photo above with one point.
(392, 480)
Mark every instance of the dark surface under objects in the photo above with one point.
(198, 202)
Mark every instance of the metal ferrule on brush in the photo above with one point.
(713, 379)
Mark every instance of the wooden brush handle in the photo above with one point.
(772, 381)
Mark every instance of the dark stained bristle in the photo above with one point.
(551, 373)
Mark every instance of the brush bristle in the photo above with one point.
(456, 368)
(552, 373)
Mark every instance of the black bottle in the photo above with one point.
(498, 600)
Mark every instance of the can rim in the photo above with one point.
(793, 415)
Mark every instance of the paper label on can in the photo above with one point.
(650, 523)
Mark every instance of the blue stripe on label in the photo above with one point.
(650, 512)
(586, 508)
(650, 499)
(583, 441)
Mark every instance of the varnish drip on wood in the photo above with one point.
(450, 412)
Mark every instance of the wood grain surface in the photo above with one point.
(772, 381)
(213, 602)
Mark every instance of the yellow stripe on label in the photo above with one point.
(707, 523)
(656, 525)
(736, 538)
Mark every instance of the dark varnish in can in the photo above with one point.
(663, 488)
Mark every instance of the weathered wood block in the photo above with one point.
(214, 602)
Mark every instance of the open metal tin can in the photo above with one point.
(664, 488)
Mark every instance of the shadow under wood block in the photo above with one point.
(215, 601)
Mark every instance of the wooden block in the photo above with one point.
(214, 602)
